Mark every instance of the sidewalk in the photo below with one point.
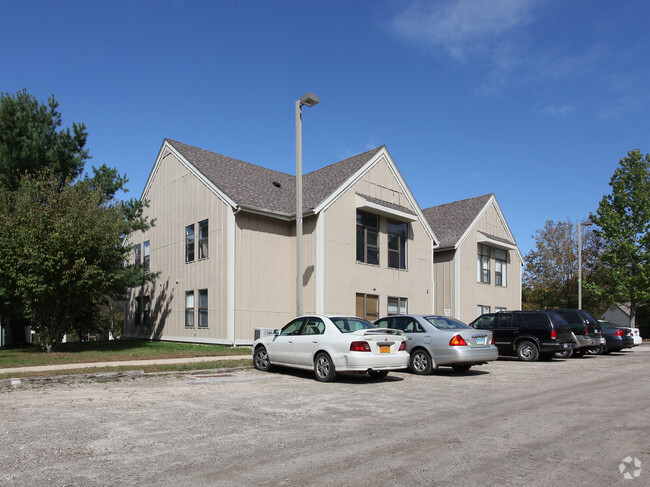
(124, 363)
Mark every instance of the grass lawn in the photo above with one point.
(109, 351)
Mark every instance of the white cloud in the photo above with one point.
(558, 111)
(463, 28)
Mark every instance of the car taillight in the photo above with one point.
(359, 347)
(553, 334)
(492, 339)
(619, 333)
(402, 346)
(457, 341)
(585, 330)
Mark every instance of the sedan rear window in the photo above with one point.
(347, 325)
(446, 323)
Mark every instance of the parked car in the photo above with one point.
(586, 332)
(527, 334)
(616, 338)
(332, 344)
(433, 341)
(636, 335)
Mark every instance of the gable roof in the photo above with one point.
(258, 188)
(451, 220)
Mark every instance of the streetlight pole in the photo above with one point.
(580, 224)
(309, 100)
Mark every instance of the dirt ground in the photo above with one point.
(564, 422)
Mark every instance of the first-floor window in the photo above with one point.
(203, 308)
(397, 306)
(138, 312)
(146, 311)
(368, 306)
(189, 309)
(500, 309)
(482, 309)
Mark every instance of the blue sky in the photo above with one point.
(533, 100)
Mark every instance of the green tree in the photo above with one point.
(62, 251)
(623, 221)
(550, 278)
(31, 140)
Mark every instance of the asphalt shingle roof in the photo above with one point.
(449, 221)
(256, 186)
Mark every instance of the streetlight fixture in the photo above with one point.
(308, 99)
(580, 224)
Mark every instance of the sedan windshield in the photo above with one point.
(347, 325)
(446, 323)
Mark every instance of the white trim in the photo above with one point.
(457, 284)
(433, 280)
(231, 237)
(363, 204)
(320, 263)
(482, 238)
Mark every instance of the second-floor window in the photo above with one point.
(203, 239)
(397, 235)
(189, 243)
(367, 238)
(500, 267)
(138, 254)
(146, 259)
(483, 264)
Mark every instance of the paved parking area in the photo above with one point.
(565, 422)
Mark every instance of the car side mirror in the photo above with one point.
(276, 332)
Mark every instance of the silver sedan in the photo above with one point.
(433, 341)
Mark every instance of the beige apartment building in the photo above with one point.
(224, 248)
(477, 264)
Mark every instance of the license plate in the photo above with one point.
(384, 348)
(480, 341)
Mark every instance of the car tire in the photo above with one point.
(261, 359)
(564, 353)
(461, 367)
(378, 374)
(596, 350)
(546, 356)
(421, 362)
(324, 368)
(527, 351)
(579, 353)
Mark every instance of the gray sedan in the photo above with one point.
(433, 341)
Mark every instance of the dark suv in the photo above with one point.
(527, 334)
(586, 332)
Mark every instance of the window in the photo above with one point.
(500, 310)
(500, 267)
(483, 264)
(138, 254)
(146, 311)
(189, 243)
(397, 306)
(293, 328)
(368, 306)
(367, 238)
(189, 309)
(482, 309)
(314, 326)
(146, 260)
(203, 239)
(138, 312)
(203, 308)
(397, 235)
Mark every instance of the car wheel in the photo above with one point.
(461, 367)
(261, 359)
(378, 374)
(324, 368)
(564, 353)
(421, 362)
(595, 351)
(527, 351)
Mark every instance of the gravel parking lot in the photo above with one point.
(564, 422)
